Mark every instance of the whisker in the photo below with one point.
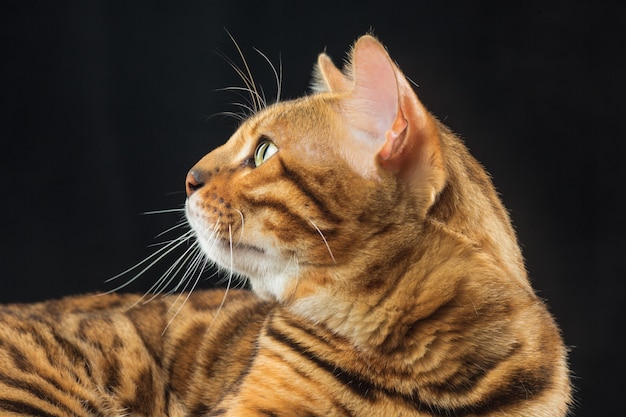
(240, 89)
(166, 231)
(277, 75)
(174, 210)
(177, 192)
(249, 78)
(250, 88)
(154, 258)
(279, 83)
(186, 279)
(170, 274)
(230, 274)
(230, 279)
(242, 225)
(251, 99)
(256, 100)
(262, 94)
(230, 241)
(238, 116)
(193, 287)
(193, 267)
(325, 241)
(245, 108)
(237, 88)
(163, 243)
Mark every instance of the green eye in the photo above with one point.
(263, 152)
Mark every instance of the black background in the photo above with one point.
(107, 104)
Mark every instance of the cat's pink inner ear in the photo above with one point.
(411, 144)
(373, 106)
(393, 138)
(329, 77)
(385, 107)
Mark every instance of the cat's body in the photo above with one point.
(387, 281)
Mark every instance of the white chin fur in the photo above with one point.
(266, 268)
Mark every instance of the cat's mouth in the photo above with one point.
(239, 246)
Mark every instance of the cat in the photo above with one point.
(386, 280)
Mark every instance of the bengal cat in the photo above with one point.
(386, 281)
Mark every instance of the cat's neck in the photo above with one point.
(373, 317)
(373, 298)
(469, 205)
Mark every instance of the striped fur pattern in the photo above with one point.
(386, 281)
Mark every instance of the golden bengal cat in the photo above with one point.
(386, 281)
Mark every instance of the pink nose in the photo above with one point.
(192, 182)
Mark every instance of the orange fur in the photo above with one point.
(386, 275)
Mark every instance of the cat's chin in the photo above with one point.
(266, 271)
(236, 256)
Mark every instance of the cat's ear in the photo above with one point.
(390, 119)
(328, 78)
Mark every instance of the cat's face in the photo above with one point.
(277, 199)
(295, 199)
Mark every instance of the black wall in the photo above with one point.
(107, 104)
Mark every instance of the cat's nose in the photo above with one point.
(193, 182)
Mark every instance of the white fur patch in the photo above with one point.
(267, 269)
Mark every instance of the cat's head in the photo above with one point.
(327, 193)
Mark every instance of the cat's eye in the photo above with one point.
(264, 151)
